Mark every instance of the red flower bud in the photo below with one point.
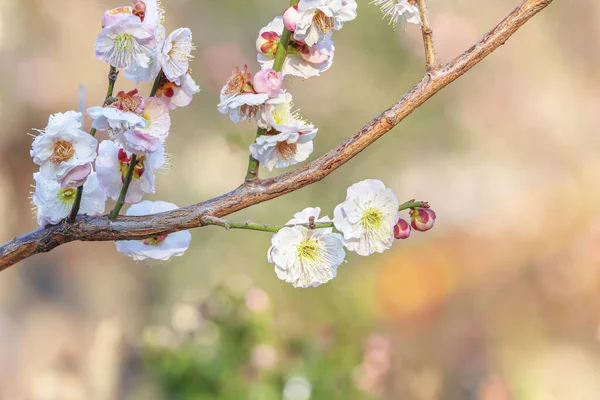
(402, 229)
(422, 219)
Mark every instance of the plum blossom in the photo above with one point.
(302, 60)
(399, 12)
(138, 73)
(161, 247)
(174, 95)
(176, 54)
(239, 99)
(125, 43)
(306, 257)
(53, 203)
(367, 217)
(288, 140)
(319, 17)
(157, 123)
(62, 146)
(120, 116)
(113, 163)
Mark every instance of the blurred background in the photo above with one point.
(499, 301)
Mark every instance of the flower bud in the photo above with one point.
(267, 43)
(291, 16)
(402, 229)
(422, 219)
(115, 15)
(268, 81)
(76, 177)
(139, 9)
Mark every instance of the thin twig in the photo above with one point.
(132, 163)
(113, 74)
(87, 228)
(311, 224)
(254, 226)
(253, 163)
(431, 61)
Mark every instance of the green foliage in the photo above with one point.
(236, 353)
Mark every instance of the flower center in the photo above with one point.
(62, 151)
(324, 22)
(154, 241)
(125, 161)
(239, 82)
(372, 219)
(287, 150)
(181, 51)
(124, 42)
(129, 101)
(308, 250)
(67, 195)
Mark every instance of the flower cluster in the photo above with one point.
(123, 167)
(78, 174)
(306, 254)
(304, 32)
(65, 154)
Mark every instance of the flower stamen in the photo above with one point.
(62, 151)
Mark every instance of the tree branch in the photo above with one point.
(87, 228)
(431, 61)
(255, 226)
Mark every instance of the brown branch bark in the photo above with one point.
(431, 60)
(87, 228)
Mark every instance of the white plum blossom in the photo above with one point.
(113, 163)
(138, 73)
(399, 12)
(302, 60)
(125, 43)
(120, 116)
(64, 121)
(160, 247)
(288, 140)
(239, 99)
(53, 203)
(158, 121)
(306, 257)
(176, 54)
(62, 146)
(139, 124)
(174, 95)
(319, 17)
(367, 217)
(113, 120)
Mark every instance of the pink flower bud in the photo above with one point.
(268, 81)
(291, 16)
(422, 219)
(402, 229)
(115, 15)
(139, 9)
(76, 177)
(267, 43)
